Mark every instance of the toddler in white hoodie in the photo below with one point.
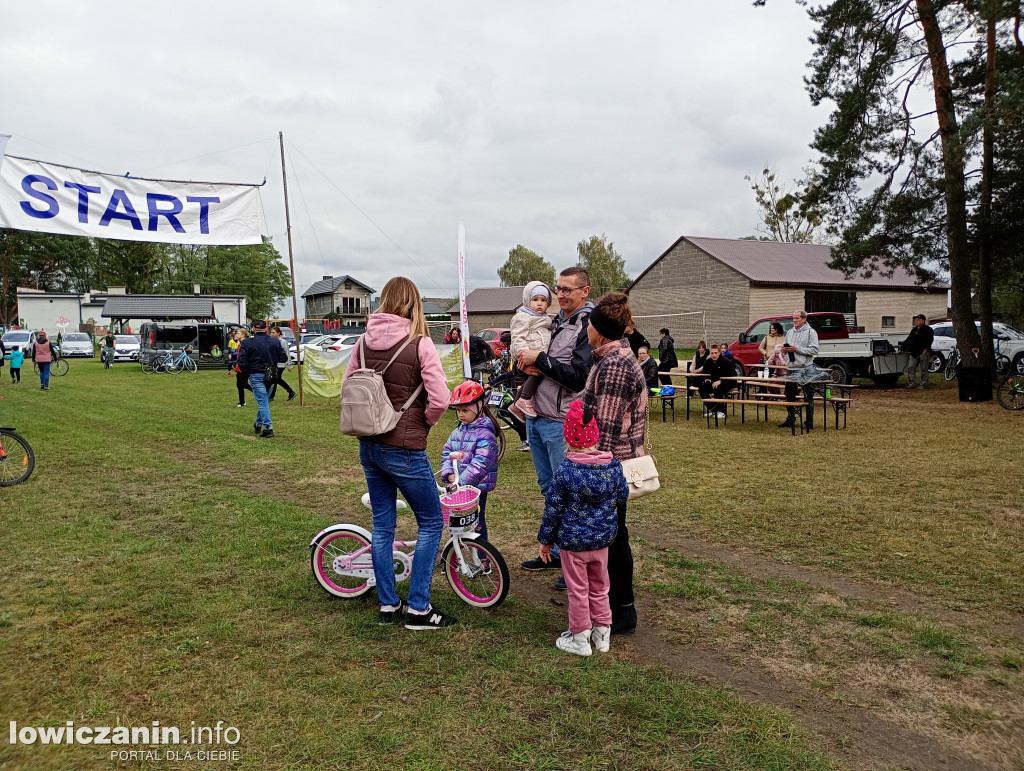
(531, 329)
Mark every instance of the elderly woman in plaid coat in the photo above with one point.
(616, 394)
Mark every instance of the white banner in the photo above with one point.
(467, 368)
(50, 198)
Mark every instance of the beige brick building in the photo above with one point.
(490, 307)
(737, 282)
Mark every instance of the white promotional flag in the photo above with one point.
(4, 139)
(50, 198)
(467, 368)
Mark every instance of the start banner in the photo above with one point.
(50, 198)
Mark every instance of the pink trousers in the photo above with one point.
(586, 578)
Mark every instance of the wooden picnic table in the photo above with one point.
(816, 388)
(688, 376)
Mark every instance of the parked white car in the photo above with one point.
(77, 344)
(126, 348)
(17, 338)
(1009, 343)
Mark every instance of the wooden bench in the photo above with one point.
(797, 406)
(667, 403)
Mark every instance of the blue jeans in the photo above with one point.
(259, 390)
(44, 374)
(547, 447)
(389, 470)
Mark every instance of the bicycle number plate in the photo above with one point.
(458, 523)
(495, 398)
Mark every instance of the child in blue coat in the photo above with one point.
(476, 442)
(580, 515)
(17, 359)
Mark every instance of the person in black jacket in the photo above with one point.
(649, 366)
(480, 355)
(919, 345)
(716, 367)
(636, 340)
(666, 355)
(258, 357)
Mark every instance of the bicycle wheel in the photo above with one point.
(190, 364)
(1002, 365)
(487, 581)
(16, 458)
(951, 362)
(329, 550)
(147, 364)
(1011, 393)
(59, 367)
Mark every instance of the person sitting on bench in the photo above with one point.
(716, 367)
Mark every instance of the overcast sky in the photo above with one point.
(540, 123)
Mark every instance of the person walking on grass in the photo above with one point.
(258, 357)
(17, 359)
(565, 366)
(397, 344)
(581, 516)
(279, 375)
(43, 353)
(241, 379)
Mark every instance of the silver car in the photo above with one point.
(126, 348)
(77, 344)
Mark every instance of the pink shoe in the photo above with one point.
(526, 407)
(514, 409)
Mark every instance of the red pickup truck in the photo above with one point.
(847, 354)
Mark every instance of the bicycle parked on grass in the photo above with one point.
(343, 565)
(1010, 392)
(16, 458)
(169, 361)
(951, 364)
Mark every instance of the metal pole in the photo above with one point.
(291, 271)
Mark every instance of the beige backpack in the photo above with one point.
(365, 406)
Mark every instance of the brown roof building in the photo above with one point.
(736, 282)
(489, 307)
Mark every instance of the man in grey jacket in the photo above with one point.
(800, 347)
(565, 367)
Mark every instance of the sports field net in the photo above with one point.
(687, 329)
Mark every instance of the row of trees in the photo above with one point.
(59, 263)
(935, 188)
(606, 267)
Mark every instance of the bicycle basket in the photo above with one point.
(461, 500)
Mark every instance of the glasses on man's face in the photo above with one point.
(566, 289)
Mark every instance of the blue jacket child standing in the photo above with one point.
(476, 442)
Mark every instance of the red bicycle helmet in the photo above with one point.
(467, 393)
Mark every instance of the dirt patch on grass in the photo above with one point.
(860, 738)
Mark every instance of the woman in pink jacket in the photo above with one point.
(397, 461)
(42, 353)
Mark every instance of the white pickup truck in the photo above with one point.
(846, 354)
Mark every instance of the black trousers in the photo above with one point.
(279, 381)
(620, 565)
(791, 394)
(663, 367)
(242, 382)
(707, 392)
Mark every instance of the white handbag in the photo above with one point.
(641, 473)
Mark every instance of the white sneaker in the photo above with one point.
(578, 643)
(600, 638)
(720, 415)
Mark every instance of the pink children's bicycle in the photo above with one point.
(475, 569)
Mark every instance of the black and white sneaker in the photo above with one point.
(397, 616)
(430, 620)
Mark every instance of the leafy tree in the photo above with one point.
(606, 267)
(781, 209)
(135, 265)
(893, 192)
(525, 265)
(255, 271)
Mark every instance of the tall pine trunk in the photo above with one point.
(954, 187)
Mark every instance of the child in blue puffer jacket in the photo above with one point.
(580, 515)
(476, 444)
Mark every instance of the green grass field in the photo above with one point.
(157, 570)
